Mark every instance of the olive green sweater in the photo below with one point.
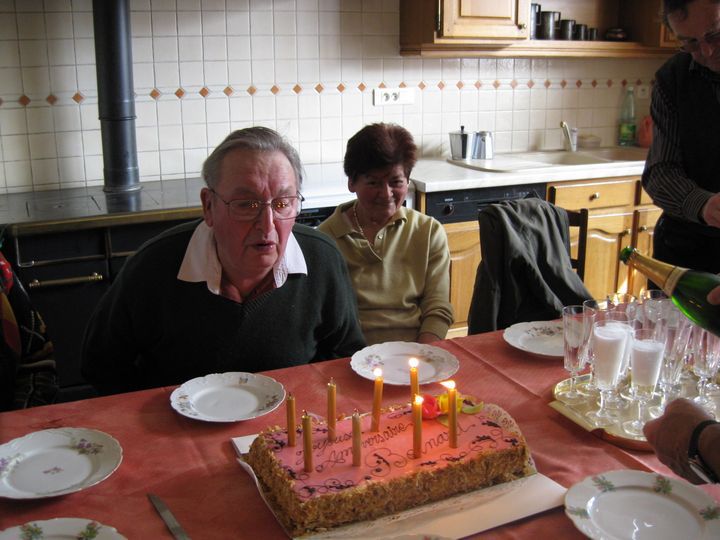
(403, 284)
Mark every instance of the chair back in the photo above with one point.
(579, 219)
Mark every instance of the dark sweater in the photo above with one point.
(152, 329)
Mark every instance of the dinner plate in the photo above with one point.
(56, 462)
(435, 364)
(544, 338)
(638, 505)
(61, 529)
(227, 397)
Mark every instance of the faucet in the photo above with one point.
(569, 137)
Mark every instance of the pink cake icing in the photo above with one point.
(387, 454)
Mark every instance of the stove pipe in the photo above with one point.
(116, 97)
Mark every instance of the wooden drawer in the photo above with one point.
(593, 193)
(644, 197)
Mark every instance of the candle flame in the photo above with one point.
(418, 399)
(448, 384)
(377, 372)
(332, 382)
(413, 362)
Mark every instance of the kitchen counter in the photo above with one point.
(432, 175)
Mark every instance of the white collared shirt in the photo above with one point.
(201, 262)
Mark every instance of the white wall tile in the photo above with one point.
(89, 116)
(92, 143)
(63, 78)
(9, 54)
(164, 24)
(193, 111)
(45, 171)
(69, 144)
(39, 119)
(148, 163)
(238, 23)
(189, 23)
(10, 81)
(143, 75)
(66, 118)
(8, 27)
(71, 169)
(15, 147)
(194, 136)
(285, 47)
(87, 79)
(239, 73)
(33, 53)
(171, 162)
(263, 72)
(147, 138)
(85, 50)
(59, 25)
(167, 76)
(18, 174)
(191, 74)
(194, 159)
(30, 26)
(261, 23)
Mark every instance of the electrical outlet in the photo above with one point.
(643, 91)
(393, 96)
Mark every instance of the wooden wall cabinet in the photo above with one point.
(491, 19)
(487, 28)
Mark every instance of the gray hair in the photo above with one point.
(679, 6)
(256, 139)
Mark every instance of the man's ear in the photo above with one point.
(206, 197)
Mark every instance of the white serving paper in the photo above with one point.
(456, 517)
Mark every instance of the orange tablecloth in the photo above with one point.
(192, 465)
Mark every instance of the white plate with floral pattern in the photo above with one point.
(544, 338)
(56, 462)
(638, 505)
(227, 397)
(61, 529)
(434, 364)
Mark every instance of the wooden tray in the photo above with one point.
(613, 434)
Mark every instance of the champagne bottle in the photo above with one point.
(688, 289)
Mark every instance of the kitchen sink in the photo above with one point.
(558, 158)
(529, 161)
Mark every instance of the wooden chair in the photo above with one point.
(579, 219)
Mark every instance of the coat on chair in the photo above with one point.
(525, 273)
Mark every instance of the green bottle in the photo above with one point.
(688, 289)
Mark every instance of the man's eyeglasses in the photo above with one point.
(693, 45)
(249, 210)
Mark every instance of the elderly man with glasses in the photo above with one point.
(246, 289)
(682, 172)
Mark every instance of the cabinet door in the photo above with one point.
(485, 19)
(464, 244)
(591, 194)
(644, 220)
(608, 232)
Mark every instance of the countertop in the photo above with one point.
(44, 211)
(431, 175)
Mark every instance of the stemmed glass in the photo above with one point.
(706, 360)
(576, 332)
(646, 355)
(609, 342)
(595, 310)
(654, 304)
(677, 329)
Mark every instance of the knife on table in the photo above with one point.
(167, 516)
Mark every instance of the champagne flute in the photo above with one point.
(706, 360)
(610, 339)
(595, 310)
(647, 348)
(654, 302)
(677, 330)
(576, 332)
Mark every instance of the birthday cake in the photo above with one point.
(490, 450)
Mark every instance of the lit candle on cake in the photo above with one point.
(414, 385)
(356, 433)
(291, 419)
(452, 412)
(331, 409)
(377, 399)
(417, 426)
(307, 442)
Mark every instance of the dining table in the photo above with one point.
(193, 466)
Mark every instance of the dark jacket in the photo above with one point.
(525, 273)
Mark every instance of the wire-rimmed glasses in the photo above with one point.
(287, 207)
(693, 45)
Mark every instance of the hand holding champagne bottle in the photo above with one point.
(714, 296)
(693, 292)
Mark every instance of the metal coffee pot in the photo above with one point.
(461, 143)
(483, 145)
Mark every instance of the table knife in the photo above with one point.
(167, 516)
